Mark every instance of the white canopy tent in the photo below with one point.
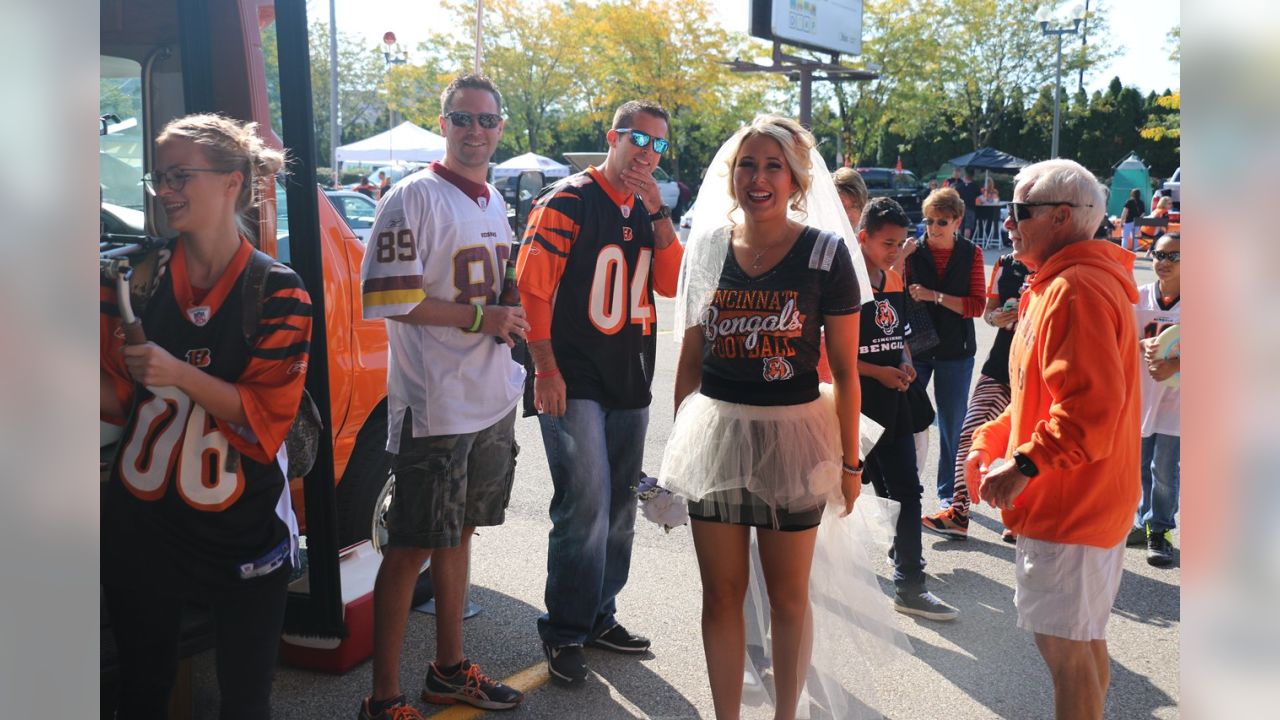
(530, 161)
(405, 142)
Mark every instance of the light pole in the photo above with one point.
(392, 55)
(1044, 16)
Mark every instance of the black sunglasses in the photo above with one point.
(641, 139)
(176, 178)
(1021, 211)
(461, 119)
(1172, 256)
(939, 223)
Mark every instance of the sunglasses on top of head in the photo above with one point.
(641, 139)
(461, 119)
(1021, 211)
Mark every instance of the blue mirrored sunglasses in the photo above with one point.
(641, 139)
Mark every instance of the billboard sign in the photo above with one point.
(823, 25)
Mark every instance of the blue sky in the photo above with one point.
(1139, 27)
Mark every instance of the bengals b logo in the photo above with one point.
(778, 368)
(198, 357)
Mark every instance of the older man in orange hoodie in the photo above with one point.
(1062, 460)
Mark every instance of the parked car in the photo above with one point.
(1173, 188)
(356, 208)
(668, 187)
(902, 186)
(686, 223)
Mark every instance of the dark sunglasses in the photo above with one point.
(1173, 256)
(461, 119)
(939, 223)
(641, 139)
(1021, 211)
(176, 178)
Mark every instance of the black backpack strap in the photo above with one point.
(255, 283)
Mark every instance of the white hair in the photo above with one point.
(1067, 181)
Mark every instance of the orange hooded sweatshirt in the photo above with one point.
(1075, 409)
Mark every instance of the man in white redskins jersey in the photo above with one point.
(433, 270)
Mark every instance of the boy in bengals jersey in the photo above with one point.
(599, 244)
(886, 372)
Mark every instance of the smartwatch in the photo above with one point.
(1025, 466)
(663, 213)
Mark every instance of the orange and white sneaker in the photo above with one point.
(948, 523)
(471, 686)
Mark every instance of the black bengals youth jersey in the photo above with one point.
(192, 498)
(881, 339)
(589, 250)
(763, 334)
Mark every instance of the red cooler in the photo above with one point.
(358, 566)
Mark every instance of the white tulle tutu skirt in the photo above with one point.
(777, 467)
(769, 466)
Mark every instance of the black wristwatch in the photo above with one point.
(663, 213)
(1025, 466)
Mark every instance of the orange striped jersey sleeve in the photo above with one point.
(271, 385)
(993, 290)
(110, 345)
(553, 228)
(666, 268)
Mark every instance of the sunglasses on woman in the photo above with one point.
(641, 139)
(1171, 256)
(461, 119)
(940, 223)
(1021, 211)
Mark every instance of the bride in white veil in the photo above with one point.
(852, 632)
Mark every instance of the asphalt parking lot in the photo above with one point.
(979, 666)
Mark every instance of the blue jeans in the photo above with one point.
(951, 396)
(891, 466)
(1161, 474)
(595, 456)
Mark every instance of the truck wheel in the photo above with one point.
(365, 491)
(364, 495)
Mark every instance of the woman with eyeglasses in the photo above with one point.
(196, 508)
(945, 273)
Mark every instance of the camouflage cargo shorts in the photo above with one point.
(447, 482)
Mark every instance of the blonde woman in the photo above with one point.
(755, 443)
(197, 505)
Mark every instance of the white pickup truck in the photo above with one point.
(670, 191)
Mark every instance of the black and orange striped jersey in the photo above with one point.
(189, 494)
(589, 251)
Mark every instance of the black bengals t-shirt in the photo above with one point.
(763, 334)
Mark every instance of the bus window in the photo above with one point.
(120, 152)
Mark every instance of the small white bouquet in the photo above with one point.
(660, 505)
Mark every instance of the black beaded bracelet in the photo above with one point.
(846, 467)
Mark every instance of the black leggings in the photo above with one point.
(247, 622)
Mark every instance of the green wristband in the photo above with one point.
(475, 324)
